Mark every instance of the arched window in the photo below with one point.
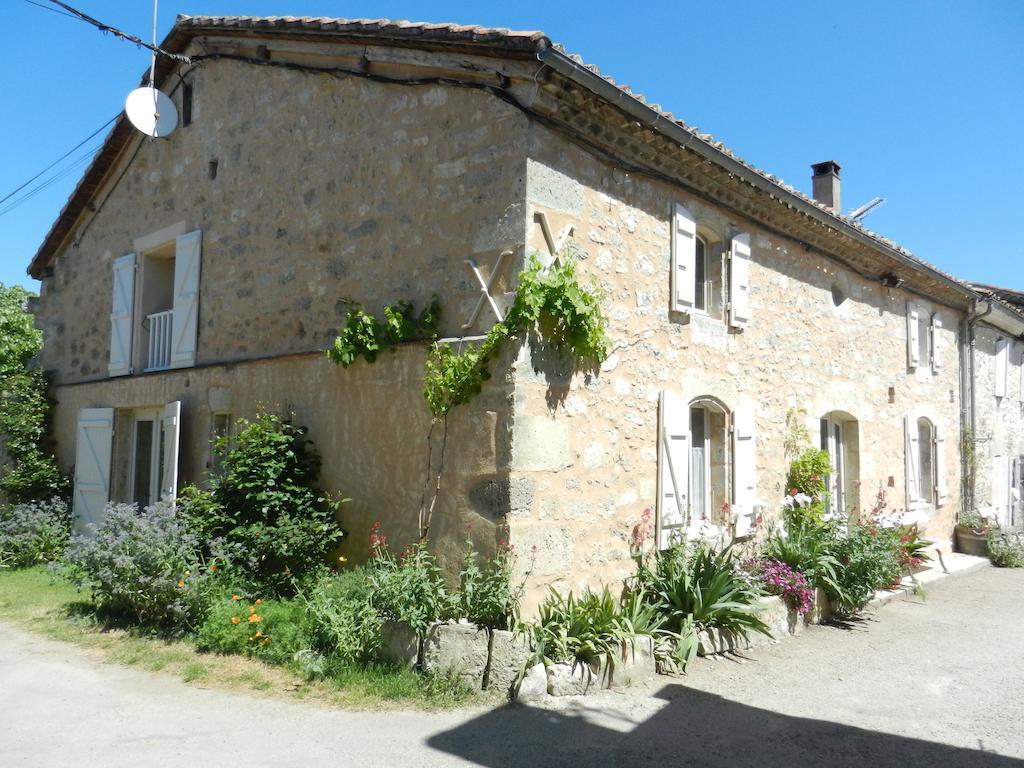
(710, 463)
(840, 437)
(926, 462)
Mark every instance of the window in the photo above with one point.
(925, 463)
(706, 277)
(926, 449)
(153, 472)
(154, 318)
(709, 464)
(839, 435)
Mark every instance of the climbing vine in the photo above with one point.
(550, 303)
(365, 336)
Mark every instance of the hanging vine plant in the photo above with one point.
(551, 304)
(365, 336)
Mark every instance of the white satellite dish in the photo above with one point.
(151, 111)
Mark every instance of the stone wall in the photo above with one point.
(584, 450)
(999, 421)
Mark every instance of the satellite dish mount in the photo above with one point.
(148, 109)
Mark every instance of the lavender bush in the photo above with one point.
(146, 566)
(33, 533)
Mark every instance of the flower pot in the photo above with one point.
(971, 542)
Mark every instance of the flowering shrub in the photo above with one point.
(145, 566)
(342, 622)
(408, 589)
(777, 578)
(33, 533)
(486, 595)
(272, 630)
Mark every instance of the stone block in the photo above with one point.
(634, 664)
(510, 653)
(459, 649)
(534, 685)
(540, 444)
(399, 645)
(571, 679)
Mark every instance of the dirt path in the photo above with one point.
(938, 683)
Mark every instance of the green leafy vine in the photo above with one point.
(551, 304)
(365, 336)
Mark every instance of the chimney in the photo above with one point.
(826, 184)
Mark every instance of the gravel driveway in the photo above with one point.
(938, 682)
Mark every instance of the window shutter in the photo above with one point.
(935, 333)
(941, 488)
(913, 341)
(92, 465)
(1002, 355)
(744, 506)
(739, 281)
(171, 426)
(684, 259)
(185, 326)
(673, 468)
(122, 311)
(913, 459)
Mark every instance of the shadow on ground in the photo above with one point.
(692, 729)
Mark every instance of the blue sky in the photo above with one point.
(920, 102)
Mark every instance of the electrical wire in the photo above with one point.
(74, 165)
(71, 151)
(102, 27)
(51, 10)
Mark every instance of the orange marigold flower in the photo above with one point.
(259, 601)
(258, 634)
(252, 609)
(235, 619)
(213, 567)
(236, 598)
(181, 585)
(255, 619)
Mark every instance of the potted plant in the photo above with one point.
(972, 533)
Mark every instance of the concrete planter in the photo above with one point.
(782, 620)
(399, 645)
(573, 679)
(634, 664)
(509, 655)
(461, 649)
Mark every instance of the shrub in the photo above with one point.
(808, 479)
(868, 560)
(33, 533)
(570, 629)
(409, 589)
(486, 595)
(342, 622)
(777, 578)
(704, 585)
(272, 630)
(808, 547)
(145, 567)
(264, 501)
(1006, 551)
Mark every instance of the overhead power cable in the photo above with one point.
(75, 148)
(102, 27)
(75, 164)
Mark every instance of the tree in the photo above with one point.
(30, 472)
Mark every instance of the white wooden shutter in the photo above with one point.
(913, 340)
(1002, 357)
(935, 333)
(744, 506)
(122, 312)
(673, 468)
(739, 281)
(92, 465)
(941, 487)
(171, 426)
(913, 459)
(684, 259)
(185, 327)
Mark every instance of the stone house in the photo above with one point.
(320, 161)
(995, 434)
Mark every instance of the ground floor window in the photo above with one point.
(146, 464)
(710, 459)
(926, 461)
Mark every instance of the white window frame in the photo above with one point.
(836, 447)
(154, 415)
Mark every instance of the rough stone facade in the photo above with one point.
(312, 190)
(586, 467)
(998, 439)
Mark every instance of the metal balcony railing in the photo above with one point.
(159, 340)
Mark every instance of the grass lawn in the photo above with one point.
(36, 600)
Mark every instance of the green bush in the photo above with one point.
(868, 561)
(1006, 551)
(24, 407)
(342, 622)
(271, 630)
(486, 594)
(409, 589)
(702, 585)
(145, 567)
(34, 533)
(264, 501)
(808, 475)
